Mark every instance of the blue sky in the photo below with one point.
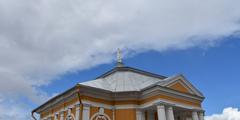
(213, 70)
(48, 46)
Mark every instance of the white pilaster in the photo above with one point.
(62, 115)
(143, 115)
(86, 112)
(140, 115)
(56, 116)
(78, 111)
(49, 118)
(195, 115)
(201, 116)
(170, 114)
(150, 115)
(161, 112)
(69, 111)
(113, 114)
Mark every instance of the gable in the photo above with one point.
(179, 86)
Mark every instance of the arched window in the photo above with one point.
(100, 115)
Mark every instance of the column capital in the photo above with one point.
(77, 105)
(164, 103)
(201, 113)
(86, 105)
(169, 107)
(161, 106)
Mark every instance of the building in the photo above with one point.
(126, 93)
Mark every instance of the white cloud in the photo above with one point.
(12, 110)
(227, 114)
(41, 40)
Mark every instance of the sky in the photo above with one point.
(48, 46)
(214, 71)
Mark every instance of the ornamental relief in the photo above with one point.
(70, 117)
(100, 115)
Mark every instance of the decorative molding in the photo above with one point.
(133, 95)
(101, 115)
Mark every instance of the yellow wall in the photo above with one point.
(93, 110)
(56, 109)
(120, 114)
(109, 113)
(179, 87)
(125, 114)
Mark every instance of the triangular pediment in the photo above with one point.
(181, 84)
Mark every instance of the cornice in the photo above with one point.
(115, 96)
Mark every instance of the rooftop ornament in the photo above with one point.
(119, 58)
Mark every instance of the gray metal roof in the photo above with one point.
(123, 80)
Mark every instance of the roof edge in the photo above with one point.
(54, 98)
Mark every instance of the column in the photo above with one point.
(140, 115)
(62, 115)
(170, 114)
(201, 116)
(195, 115)
(161, 112)
(86, 112)
(150, 115)
(78, 111)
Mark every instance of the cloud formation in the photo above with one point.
(11, 110)
(227, 114)
(41, 40)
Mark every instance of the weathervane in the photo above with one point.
(119, 58)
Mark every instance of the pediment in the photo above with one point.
(181, 84)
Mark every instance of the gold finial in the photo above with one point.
(119, 58)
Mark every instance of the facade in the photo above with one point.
(126, 93)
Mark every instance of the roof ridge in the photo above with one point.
(126, 68)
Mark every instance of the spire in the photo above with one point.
(119, 58)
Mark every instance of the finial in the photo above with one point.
(119, 58)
